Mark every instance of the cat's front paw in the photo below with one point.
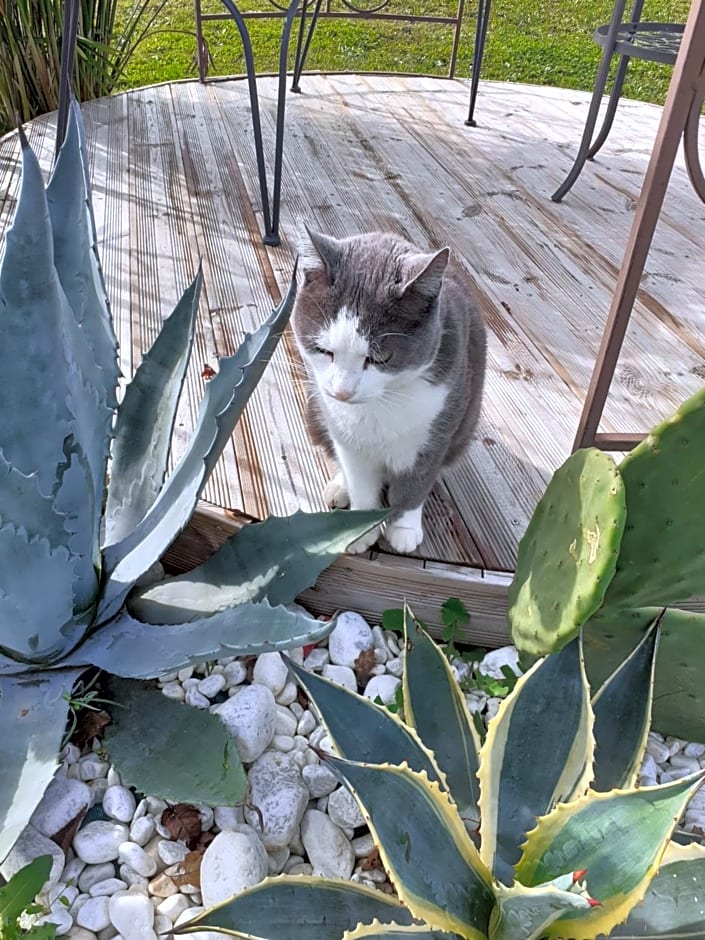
(365, 542)
(335, 495)
(404, 536)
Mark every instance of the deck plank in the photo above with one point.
(175, 184)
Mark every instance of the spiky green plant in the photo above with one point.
(607, 547)
(31, 36)
(539, 833)
(72, 548)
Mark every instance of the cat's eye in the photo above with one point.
(377, 358)
(320, 351)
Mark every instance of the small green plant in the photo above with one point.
(31, 37)
(608, 547)
(75, 539)
(17, 899)
(83, 697)
(539, 833)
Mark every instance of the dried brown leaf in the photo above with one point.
(89, 725)
(188, 872)
(364, 664)
(184, 823)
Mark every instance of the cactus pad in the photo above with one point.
(568, 554)
(662, 558)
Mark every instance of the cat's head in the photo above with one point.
(366, 316)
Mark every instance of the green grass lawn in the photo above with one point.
(546, 43)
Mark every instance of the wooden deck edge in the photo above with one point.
(370, 585)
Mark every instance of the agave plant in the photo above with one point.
(540, 832)
(607, 547)
(86, 507)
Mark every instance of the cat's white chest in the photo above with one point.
(391, 429)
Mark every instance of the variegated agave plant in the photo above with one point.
(539, 832)
(85, 509)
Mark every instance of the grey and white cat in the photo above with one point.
(396, 352)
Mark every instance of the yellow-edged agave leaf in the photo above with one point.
(525, 913)
(622, 709)
(362, 731)
(617, 838)
(424, 846)
(674, 905)
(398, 932)
(538, 752)
(435, 707)
(298, 907)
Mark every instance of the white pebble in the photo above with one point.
(174, 690)
(196, 700)
(119, 803)
(229, 817)
(232, 862)
(343, 809)
(131, 878)
(350, 637)
(63, 801)
(99, 841)
(135, 856)
(72, 871)
(492, 663)
(271, 670)
(277, 859)
(694, 750)
(343, 675)
(329, 851)
(94, 914)
(249, 718)
(285, 722)
(283, 742)
(171, 852)
(212, 685)
(81, 933)
(395, 667)
(94, 874)
(98, 788)
(363, 845)
(382, 687)
(316, 659)
(185, 673)
(306, 724)
(319, 780)
(234, 673)
(172, 906)
(92, 769)
(106, 888)
(114, 779)
(288, 694)
(131, 912)
(142, 830)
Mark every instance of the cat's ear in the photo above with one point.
(317, 252)
(428, 271)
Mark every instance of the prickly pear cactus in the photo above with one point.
(662, 557)
(568, 554)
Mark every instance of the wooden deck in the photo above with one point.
(174, 182)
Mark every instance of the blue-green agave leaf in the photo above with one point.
(424, 846)
(36, 597)
(22, 504)
(149, 735)
(361, 730)
(435, 707)
(76, 252)
(145, 420)
(135, 650)
(225, 399)
(33, 393)
(524, 913)
(33, 713)
(622, 709)
(298, 907)
(274, 560)
(674, 904)
(537, 753)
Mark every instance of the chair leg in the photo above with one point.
(690, 139)
(483, 19)
(612, 104)
(594, 109)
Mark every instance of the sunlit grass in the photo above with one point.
(547, 43)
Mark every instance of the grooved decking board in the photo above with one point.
(175, 185)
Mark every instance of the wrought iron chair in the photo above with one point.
(655, 42)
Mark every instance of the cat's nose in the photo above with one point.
(342, 394)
